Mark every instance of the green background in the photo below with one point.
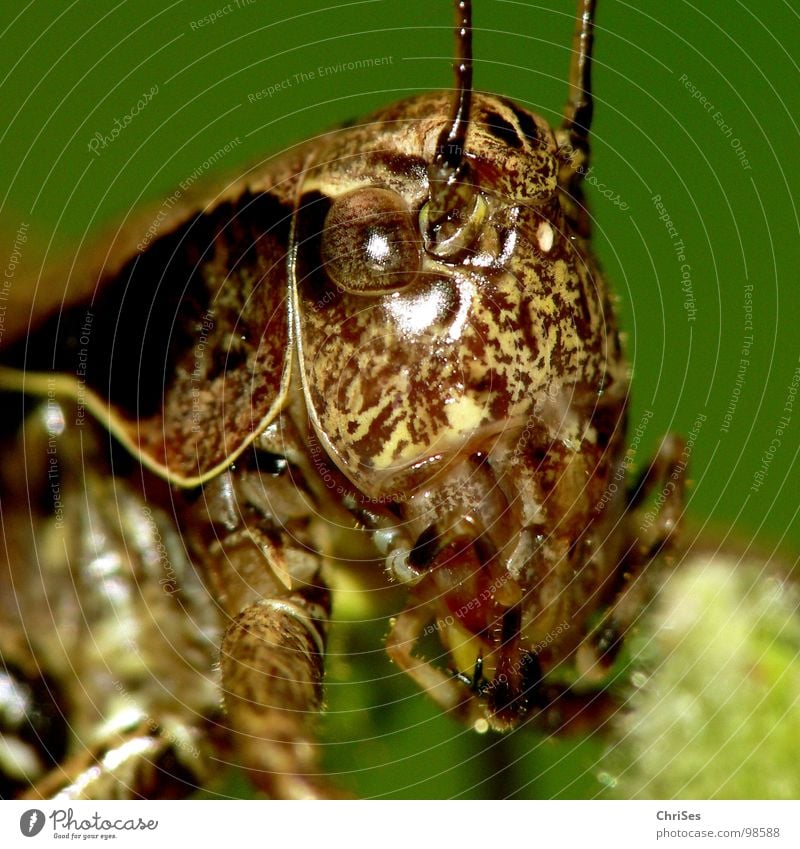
(69, 69)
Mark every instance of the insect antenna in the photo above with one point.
(451, 197)
(449, 156)
(574, 134)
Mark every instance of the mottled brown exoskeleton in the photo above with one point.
(393, 343)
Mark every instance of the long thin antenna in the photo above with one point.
(450, 194)
(451, 141)
(580, 106)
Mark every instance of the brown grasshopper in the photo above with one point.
(392, 346)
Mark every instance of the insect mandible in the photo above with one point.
(393, 341)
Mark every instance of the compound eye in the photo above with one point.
(370, 244)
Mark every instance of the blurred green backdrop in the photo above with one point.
(696, 104)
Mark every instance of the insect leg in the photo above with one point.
(256, 537)
(148, 760)
(578, 111)
(652, 536)
(656, 526)
(447, 691)
(272, 671)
